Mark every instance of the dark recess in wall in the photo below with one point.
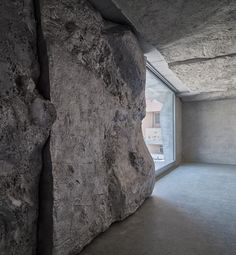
(43, 85)
(45, 219)
(111, 13)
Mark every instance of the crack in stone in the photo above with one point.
(197, 60)
(45, 189)
(43, 85)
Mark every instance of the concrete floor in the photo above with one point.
(192, 212)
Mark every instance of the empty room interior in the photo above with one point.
(118, 127)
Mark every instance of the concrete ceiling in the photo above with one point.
(196, 38)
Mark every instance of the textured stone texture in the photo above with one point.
(101, 169)
(197, 38)
(213, 75)
(25, 120)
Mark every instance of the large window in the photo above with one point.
(158, 125)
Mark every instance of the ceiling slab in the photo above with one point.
(196, 38)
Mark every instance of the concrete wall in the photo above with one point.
(209, 131)
(154, 148)
(178, 130)
(148, 121)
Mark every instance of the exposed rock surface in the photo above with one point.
(101, 169)
(25, 120)
(197, 38)
(95, 168)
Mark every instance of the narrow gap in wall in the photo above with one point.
(45, 219)
(45, 188)
(43, 82)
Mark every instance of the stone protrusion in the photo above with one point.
(101, 169)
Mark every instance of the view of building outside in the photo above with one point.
(158, 125)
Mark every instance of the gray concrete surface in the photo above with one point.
(209, 131)
(178, 130)
(191, 212)
(197, 39)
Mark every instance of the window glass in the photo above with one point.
(158, 125)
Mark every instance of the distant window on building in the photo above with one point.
(161, 149)
(156, 118)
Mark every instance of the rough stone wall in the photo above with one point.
(101, 170)
(94, 167)
(25, 120)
